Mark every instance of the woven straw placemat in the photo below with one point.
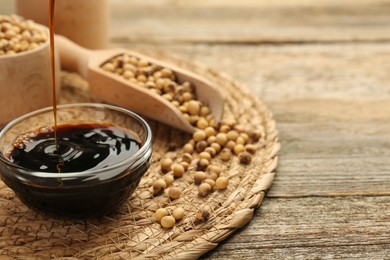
(133, 232)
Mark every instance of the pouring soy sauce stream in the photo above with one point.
(53, 82)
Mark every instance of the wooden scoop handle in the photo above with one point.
(73, 57)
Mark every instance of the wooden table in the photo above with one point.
(323, 68)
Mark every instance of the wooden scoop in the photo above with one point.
(114, 89)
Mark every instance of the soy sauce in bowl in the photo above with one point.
(100, 155)
(79, 148)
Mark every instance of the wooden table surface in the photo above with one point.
(323, 68)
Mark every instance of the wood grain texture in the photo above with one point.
(313, 228)
(323, 69)
(333, 147)
(251, 21)
(248, 21)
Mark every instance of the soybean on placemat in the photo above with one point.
(133, 231)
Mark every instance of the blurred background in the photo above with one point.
(322, 67)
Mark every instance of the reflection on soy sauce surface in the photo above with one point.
(79, 148)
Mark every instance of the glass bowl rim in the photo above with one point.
(131, 161)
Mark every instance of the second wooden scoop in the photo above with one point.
(114, 89)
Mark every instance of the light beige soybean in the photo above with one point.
(193, 107)
(178, 213)
(174, 193)
(232, 135)
(225, 154)
(166, 164)
(169, 179)
(230, 145)
(187, 157)
(188, 148)
(211, 139)
(221, 139)
(199, 176)
(205, 155)
(216, 146)
(250, 148)
(178, 170)
(224, 129)
(185, 165)
(210, 131)
(211, 151)
(212, 175)
(240, 140)
(159, 186)
(204, 189)
(239, 148)
(199, 135)
(187, 96)
(168, 222)
(202, 123)
(160, 213)
(221, 183)
(214, 168)
(211, 182)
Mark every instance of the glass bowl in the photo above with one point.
(83, 194)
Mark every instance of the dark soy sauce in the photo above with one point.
(79, 148)
(82, 147)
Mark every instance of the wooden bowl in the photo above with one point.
(25, 81)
